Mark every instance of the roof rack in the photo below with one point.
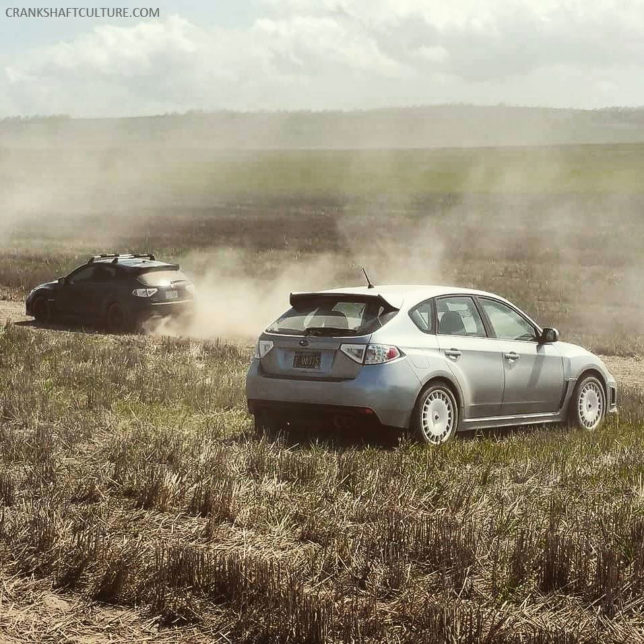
(117, 256)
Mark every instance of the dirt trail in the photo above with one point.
(31, 611)
(12, 311)
(629, 371)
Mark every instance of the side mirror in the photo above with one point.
(548, 335)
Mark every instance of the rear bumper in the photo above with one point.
(388, 390)
(313, 415)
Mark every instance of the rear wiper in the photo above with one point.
(328, 330)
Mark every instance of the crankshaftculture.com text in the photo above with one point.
(82, 12)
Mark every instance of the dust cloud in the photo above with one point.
(566, 269)
(239, 295)
(233, 301)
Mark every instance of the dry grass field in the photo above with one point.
(137, 503)
(131, 477)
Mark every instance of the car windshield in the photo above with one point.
(161, 278)
(333, 316)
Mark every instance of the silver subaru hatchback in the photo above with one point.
(432, 359)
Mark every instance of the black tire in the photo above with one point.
(436, 415)
(116, 320)
(41, 310)
(587, 408)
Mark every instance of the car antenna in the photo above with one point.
(369, 284)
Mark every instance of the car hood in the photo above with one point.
(46, 285)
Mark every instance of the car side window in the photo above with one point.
(458, 315)
(422, 316)
(506, 323)
(84, 274)
(103, 274)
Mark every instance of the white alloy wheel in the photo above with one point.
(590, 404)
(437, 415)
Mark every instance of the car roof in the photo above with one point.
(399, 295)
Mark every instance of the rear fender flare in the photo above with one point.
(448, 376)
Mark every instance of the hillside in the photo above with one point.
(413, 127)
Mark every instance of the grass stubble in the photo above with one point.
(131, 478)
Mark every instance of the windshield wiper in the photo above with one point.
(328, 330)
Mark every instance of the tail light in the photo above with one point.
(263, 347)
(354, 351)
(144, 292)
(371, 353)
(379, 353)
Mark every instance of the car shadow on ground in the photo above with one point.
(70, 326)
(501, 433)
(304, 437)
(384, 438)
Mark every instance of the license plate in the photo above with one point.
(306, 360)
(172, 295)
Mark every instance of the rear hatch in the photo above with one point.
(171, 284)
(323, 336)
(311, 358)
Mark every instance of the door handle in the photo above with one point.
(511, 356)
(452, 353)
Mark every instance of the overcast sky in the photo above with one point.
(321, 54)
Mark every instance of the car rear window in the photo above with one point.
(161, 278)
(333, 317)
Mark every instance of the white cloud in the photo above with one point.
(341, 54)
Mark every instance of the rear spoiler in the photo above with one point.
(388, 301)
(158, 267)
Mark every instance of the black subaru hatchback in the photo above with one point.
(119, 291)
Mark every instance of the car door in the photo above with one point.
(72, 298)
(473, 358)
(534, 376)
(100, 289)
